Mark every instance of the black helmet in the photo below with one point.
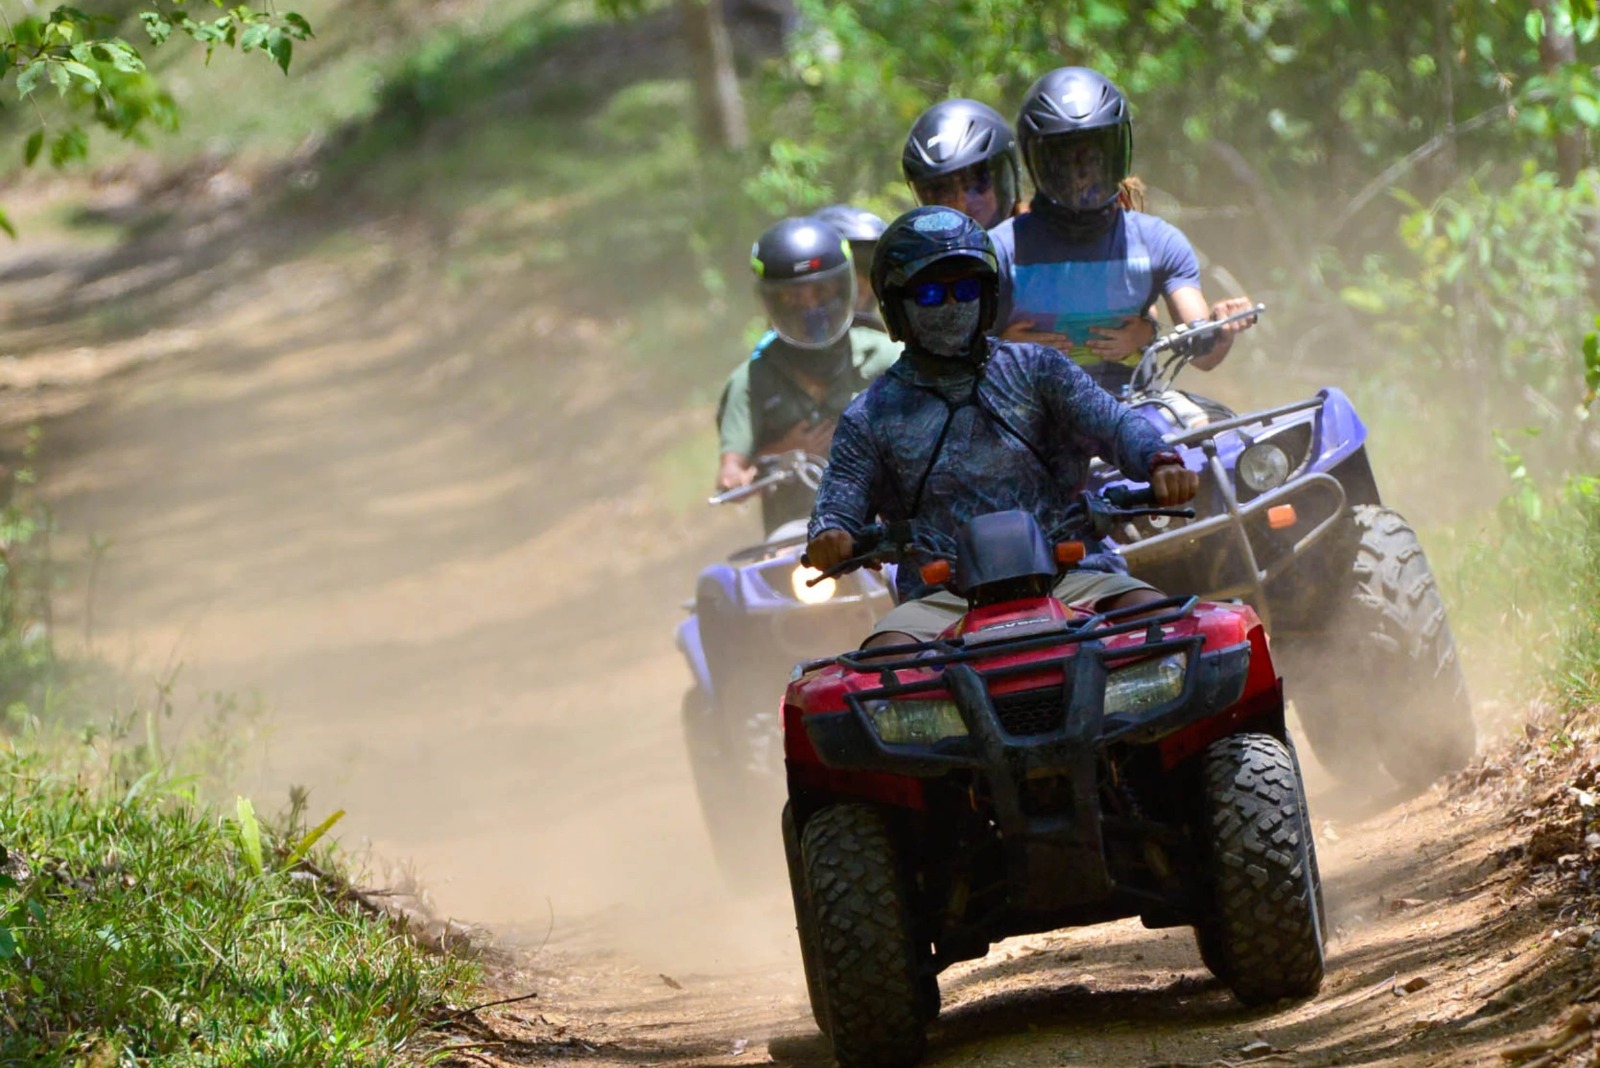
(919, 239)
(806, 280)
(856, 225)
(1076, 133)
(861, 228)
(952, 136)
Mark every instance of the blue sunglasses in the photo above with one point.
(932, 294)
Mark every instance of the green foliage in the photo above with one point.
(102, 79)
(1591, 366)
(1309, 94)
(1523, 584)
(28, 668)
(136, 926)
(1486, 291)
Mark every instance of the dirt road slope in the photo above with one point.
(453, 583)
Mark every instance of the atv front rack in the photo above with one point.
(1056, 852)
(942, 651)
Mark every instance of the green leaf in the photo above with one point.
(28, 80)
(1587, 109)
(83, 71)
(157, 28)
(282, 49)
(249, 833)
(30, 151)
(5, 224)
(59, 76)
(8, 943)
(70, 146)
(298, 25)
(312, 838)
(254, 37)
(1533, 25)
(1591, 361)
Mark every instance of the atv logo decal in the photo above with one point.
(805, 266)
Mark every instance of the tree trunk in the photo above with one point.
(716, 83)
(1557, 49)
(1445, 46)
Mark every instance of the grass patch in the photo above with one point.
(1523, 584)
(140, 925)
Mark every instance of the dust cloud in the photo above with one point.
(439, 554)
(453, 590)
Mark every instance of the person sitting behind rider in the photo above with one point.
(861, 229)
(965, 424)
(789, 394)
(1082, 269)
(962, 154)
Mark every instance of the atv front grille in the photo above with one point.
(1031, 711)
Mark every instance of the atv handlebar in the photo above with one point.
(1184, 343)
(1092, 515)
(796, 465)
(1102, 512)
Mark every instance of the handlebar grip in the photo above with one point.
(1130, 497)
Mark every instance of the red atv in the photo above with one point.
(1035, 767)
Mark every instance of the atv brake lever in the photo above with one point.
(1176, 513)
(864, 560)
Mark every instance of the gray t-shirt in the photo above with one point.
(1070, 286)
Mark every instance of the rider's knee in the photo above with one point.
(1130, 599)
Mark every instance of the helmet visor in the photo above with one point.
(986, 191)
(1081, 170)
(811, 312)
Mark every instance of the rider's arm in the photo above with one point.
(1178, 269)
(846, 496)
(735, 431)
(1101, 423)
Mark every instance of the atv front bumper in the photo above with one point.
(1044, 788)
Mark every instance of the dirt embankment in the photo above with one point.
(437, 555)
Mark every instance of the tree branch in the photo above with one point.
(1266, 208)
(1400, 167)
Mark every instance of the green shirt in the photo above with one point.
(763, 401)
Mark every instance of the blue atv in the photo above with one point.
(751, 620)
(1289, 519)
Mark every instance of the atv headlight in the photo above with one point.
(1263, 466)
(916, 722)
(1145, 685)
(821, 592)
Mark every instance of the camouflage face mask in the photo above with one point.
(945, 329)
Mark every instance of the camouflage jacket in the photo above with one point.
(942, 448)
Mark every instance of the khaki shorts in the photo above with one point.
(926, 617)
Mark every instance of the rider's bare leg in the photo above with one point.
(1131, 599)
(888, 637)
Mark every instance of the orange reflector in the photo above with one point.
(936, 573)
(1280, 516)
(1070, 552)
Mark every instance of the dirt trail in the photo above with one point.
(451, 586)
